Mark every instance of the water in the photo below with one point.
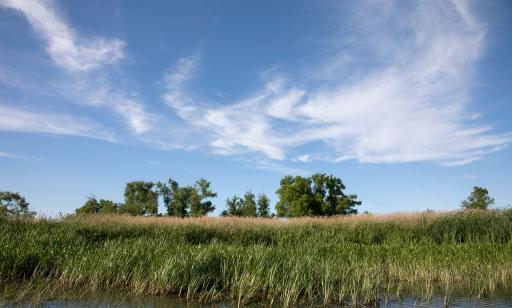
(115, 300)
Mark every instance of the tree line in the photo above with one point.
(248, 206)
(142, 198)
(317, 195)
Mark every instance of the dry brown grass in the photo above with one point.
(400, 217)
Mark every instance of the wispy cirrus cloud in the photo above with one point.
(9, 155)
(398, 89)
(85, 62)
(228, 129)
(6, 154)
(412, 104)
(19, 120)
(66, 48)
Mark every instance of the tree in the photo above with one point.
(93, 206)
(296, 198)
(249, 207)
(263, 206)
(188, 200)
(199, 205)
(176, 198)
(108, 207)
(165, 191)
(318, 195)
(140, 199)
(12, 204)
(234, 206)
(478, 199)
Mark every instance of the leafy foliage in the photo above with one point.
(93, 206)
(188, 200)
(263, 206)
(234, 206)
(201, 192)
(140, 199)
(247, 206)
(12, 204)
(478, 199)
(318, 195)
(249, 209)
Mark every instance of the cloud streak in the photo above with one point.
(19, 120)
(7, 154)
(397, 89)
(85, 62)
(65, 47)
(413, 104)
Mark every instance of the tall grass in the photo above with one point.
(345, 260)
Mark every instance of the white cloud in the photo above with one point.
(306, 158)
(64, 46)
(412, 104)
(19, 120)
(85, 61)
(232, 129)
(4, 154)
(399, 90)
(470, 177)
(414, 107)
(126, 106)
(7, 154)
(174, 82)
(283, 107)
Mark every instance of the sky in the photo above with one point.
(408, 102)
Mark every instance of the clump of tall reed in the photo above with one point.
(344, 260)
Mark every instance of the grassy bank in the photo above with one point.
(338, 260)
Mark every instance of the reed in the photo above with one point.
(346, 260)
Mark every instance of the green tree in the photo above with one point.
(175, 198)
(188, 200)
(296, 198)
(234, 206)
(249, 207)
(12, 204)
(478, 199)
(164, 190)
(108, 207)
(263, 206)
(140, 199)
(317, 195)
(91, 206)
(200, 204)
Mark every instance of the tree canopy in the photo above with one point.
(263, 206)
(12, 204)
(248, 206)
(234, 206)
(318, 195)
(140, 199)
(187, 200)
(93, 206)
(478, 199)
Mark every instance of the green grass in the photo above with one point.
(342, 260)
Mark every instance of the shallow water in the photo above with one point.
(112, 300)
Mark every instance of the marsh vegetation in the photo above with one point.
(347, 259)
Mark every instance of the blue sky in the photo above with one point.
(408, 102)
